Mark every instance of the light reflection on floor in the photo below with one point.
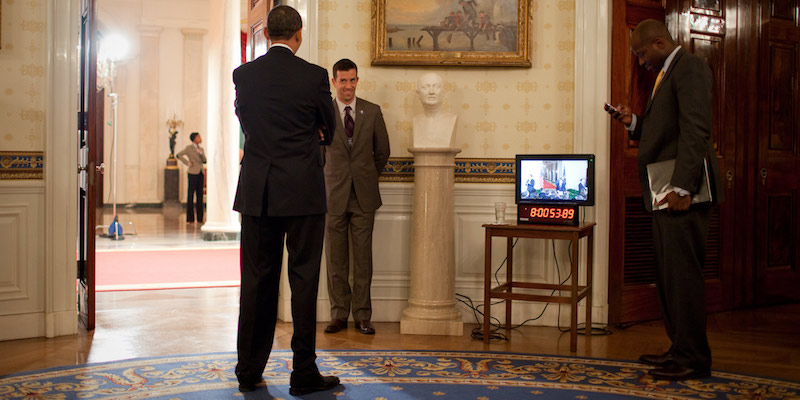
(154, 228)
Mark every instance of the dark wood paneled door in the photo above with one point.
(700, 26)
(777, 167)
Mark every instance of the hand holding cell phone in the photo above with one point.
(621, 114)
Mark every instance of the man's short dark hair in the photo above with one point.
(344, 65)
(193, 135)
(283, 22)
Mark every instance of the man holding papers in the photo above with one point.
(676, 125)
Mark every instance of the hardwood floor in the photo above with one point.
(763, 342)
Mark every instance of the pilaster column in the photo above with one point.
(224, 54)
(150, 129)
(194, 89)
(432, 300)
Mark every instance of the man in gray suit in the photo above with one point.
(194, 157)
(354, 161)
(676, 124)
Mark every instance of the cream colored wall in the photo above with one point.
(23, 55)
(38, 217)
(23, 74)
(501, 111)
(142, 132)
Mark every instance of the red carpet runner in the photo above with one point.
(166, 269)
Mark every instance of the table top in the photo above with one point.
(536, 227)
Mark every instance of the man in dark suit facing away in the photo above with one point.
(284, 107)
(676, 124)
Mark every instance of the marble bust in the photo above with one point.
(434, 128)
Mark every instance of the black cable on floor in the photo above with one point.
(478, 334)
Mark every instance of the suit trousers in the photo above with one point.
(680, 247)
(261, 257)
(357, 224)
(195, 188)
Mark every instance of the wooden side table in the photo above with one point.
(506, 291)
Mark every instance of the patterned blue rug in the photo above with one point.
(386, 375)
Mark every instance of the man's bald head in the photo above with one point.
(652, 43)
(650, 30)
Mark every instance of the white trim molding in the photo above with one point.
(592, 128)
(60, 173)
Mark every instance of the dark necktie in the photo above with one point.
(348, 122)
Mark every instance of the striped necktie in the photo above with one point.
(349, 125)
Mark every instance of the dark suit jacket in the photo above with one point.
(677, 124)
(281, 101)
(360, 166)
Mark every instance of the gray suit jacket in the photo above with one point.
(189, 153)
(677, 124)
(360, 166)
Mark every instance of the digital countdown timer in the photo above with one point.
(562, 214)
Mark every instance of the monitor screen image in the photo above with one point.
(555, 178)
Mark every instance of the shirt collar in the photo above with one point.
(282, 45)
(342, 106)
(669, 59)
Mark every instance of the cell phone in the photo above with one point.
(610, 109)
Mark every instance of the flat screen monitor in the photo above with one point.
(555, 179)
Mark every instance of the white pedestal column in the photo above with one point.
(222, 223)
(432, 301)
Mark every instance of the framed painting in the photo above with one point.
(451, 32)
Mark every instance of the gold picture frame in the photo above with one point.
(451, 32)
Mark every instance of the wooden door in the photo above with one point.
(257, 23)
(98, 146)
(700, 27)
(88, 163)
(777, 168)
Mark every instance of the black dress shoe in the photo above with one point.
(676, 372)
(249, 387)
(365, 327)
(336, 325)
(323, 383)
(658, 360)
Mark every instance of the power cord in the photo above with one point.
(495, 324)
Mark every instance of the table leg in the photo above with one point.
(573, 323)
(487, 285)
(589, 263)
(509, 279)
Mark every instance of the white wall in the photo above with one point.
(565, 90)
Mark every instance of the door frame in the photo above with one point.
(87, 127)
(61, 189)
